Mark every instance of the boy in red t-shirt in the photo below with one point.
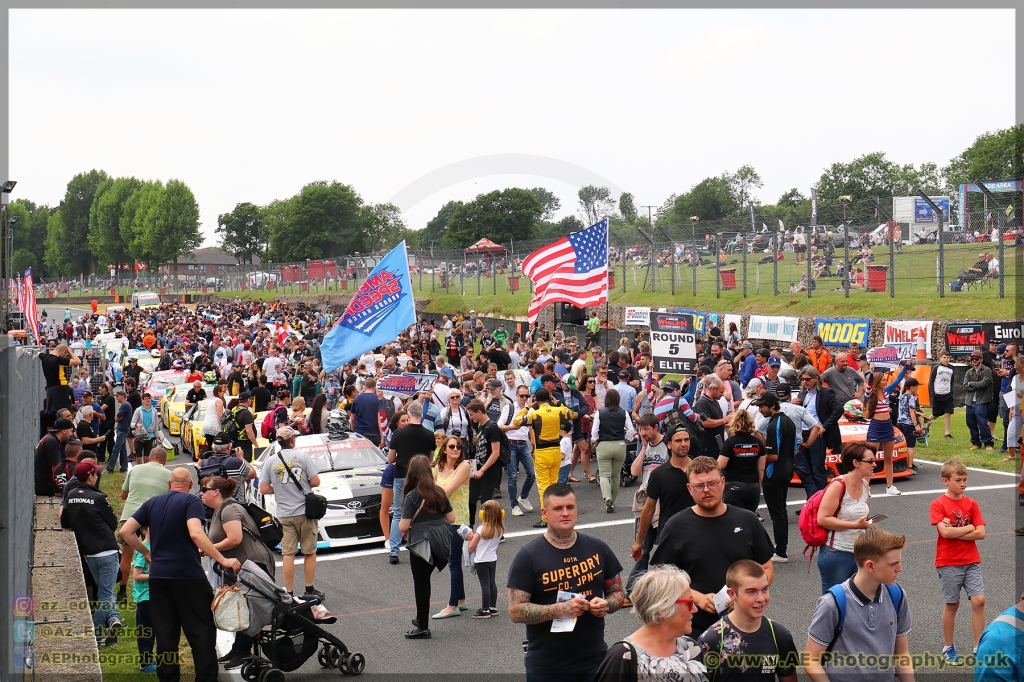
(960, 525)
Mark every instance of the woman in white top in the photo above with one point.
(214, 409)
(845, 519)
(454, 417)
(1013, 432)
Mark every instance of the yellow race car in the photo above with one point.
(172, 408)
(193, 441)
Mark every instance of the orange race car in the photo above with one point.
(854, 431)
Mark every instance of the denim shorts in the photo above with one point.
(387, 479)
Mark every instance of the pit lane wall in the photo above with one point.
(40, 570)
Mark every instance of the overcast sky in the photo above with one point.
(250, 105)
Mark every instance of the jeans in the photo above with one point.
(395, 542)
(583, 676)
(645, 559)
(458, 588)
(485, 571)
(610, 456)
(775, 500)
(120, 452)
(183, 605)
(835, 566)
(810, 466)
(104, 574)
(977, 422)
(146, 638)
(563, 475)
(482, 489)
(519, 455)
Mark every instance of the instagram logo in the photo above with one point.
(25, 606)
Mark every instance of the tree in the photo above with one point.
(549, 231)
(433, 233)
(595, 203)
(501, 215)
(55, 255)
(869, 176)
(133, 220)
(993, 156)
(626, 207)
(73, 243)
(548, 201)
(107, 244)
(790, 199)
(245, 232)
(323, 220)
(743, 182)
(171, 226)
(710, 199)
(22, 260)
(383, 226)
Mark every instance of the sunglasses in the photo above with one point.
(807, 378)
(205, 490)
(452, 446)
(688, 602)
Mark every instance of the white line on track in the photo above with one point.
(625, 522)
(978, 469)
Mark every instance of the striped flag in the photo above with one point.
(31, 311)
(574, 269)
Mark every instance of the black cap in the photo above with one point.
(767, 399)
(549, 377)
(221, 438)
(784, 389)
(243, 396)
(624, 374)
(62, 424)
(493, 384)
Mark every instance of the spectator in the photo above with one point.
(89, 514)
(612, 429)
(569, 655)
(819, 356)
(406, 442)
(780, 437)
(47, 457)
(122, 429)
(1000, 656)
(940, 388)
(746, 362)
(143, 482)
(180, 593)
(244, 420)
(704, 541)
(290, 496)
(744, 455)
(57, 374)
(220, 461)
(978, 384)
(712, 417)
(146, 425)
(850, 499)
(844, 380)
(821, 403)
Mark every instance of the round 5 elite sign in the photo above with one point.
(673, 344)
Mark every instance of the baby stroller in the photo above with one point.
(285, 630)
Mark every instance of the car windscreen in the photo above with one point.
(149, 300)
(339, 455)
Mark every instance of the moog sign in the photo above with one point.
(842, 332)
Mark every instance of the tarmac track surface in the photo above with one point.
(374, 601)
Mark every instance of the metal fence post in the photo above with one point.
(1002, 263)
(892, 260)
(846, 259)
(807, 255)
(716, 247)
(775, 266)
(694, 257)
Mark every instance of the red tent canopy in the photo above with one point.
(485, 245)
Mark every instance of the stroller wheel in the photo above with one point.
(271, 675)
(335, 656)
(343, 665)
(323, 657)
(250, 671)
(356, 663)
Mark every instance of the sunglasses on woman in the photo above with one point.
(453, 446)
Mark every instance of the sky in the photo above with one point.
(422, 107)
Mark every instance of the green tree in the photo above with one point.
(245, 232)
(23, 259)
(433, 233)
(383, 226)
(106, 242)
(55, 255)
(73, 243)
(993, 156)
(595, 203)
(171, 226)
(133, 220)
(791, 198)
(323, 220)
(873, 175)
(710, 199)
(550, 231)
(743, 183)
(501, 215)
(627, 209)
(548, 201)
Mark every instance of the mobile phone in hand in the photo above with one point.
(877, 517)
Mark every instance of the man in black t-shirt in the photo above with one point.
(246, 425)
(708, 538)
(407, 442)
(666, 491)
(486, 467)
(195, 395)
(47, 456)
(109, 407)
(261, 396)
(712, 419)
(555, 578)
(57, 373)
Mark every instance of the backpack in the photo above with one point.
(215, 466)
(839, 594)
(505, 450)
(267, 429)
(675, 418)
(229, 423)
(270, 532)
(814, 535)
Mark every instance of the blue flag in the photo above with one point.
(379, 311)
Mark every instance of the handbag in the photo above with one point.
(316, 505)
(230, 609)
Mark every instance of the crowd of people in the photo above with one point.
(707, 451)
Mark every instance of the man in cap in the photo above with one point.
(242, 414)
(57, 366)
(48, 455)
(978, 384)
(770, 380)
(88, 513)
(627, 394)
(747, 363)
(195, 395)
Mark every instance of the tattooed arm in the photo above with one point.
(521, 610)
(613, 596)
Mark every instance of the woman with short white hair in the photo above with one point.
(660, 649)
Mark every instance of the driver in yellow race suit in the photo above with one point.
(545, 417)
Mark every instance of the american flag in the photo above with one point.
(574, 269)
(31, 311)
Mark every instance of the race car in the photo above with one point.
(193, 441)
(160, 382)
(350, 473)
(172, 408)
(147, 361)
(857, 430)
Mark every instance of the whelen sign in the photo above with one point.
(962, 339)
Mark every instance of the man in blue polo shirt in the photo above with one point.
(179, 592)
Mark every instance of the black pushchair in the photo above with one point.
(285, 630)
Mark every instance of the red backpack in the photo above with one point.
(814, 535)
(268, 428)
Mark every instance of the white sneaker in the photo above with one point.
(892, 490)
(525, 504)
(516, 511)
(780, 559)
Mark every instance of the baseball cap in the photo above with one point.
(991, 341)
(753, 384)
(910, 383)
(221, 438)
(133, 359)
(624, 374)
(976, 354)
(748, 346)
(62, 424)
(549, 377)
(570, 380)
(774, 361)
(766, 399)
(286, 433)
(243, 396)
(671, 385)
(84, 470)
(784, 389)
(493, 384)
(1001, 348)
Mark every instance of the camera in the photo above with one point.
(457, 433)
